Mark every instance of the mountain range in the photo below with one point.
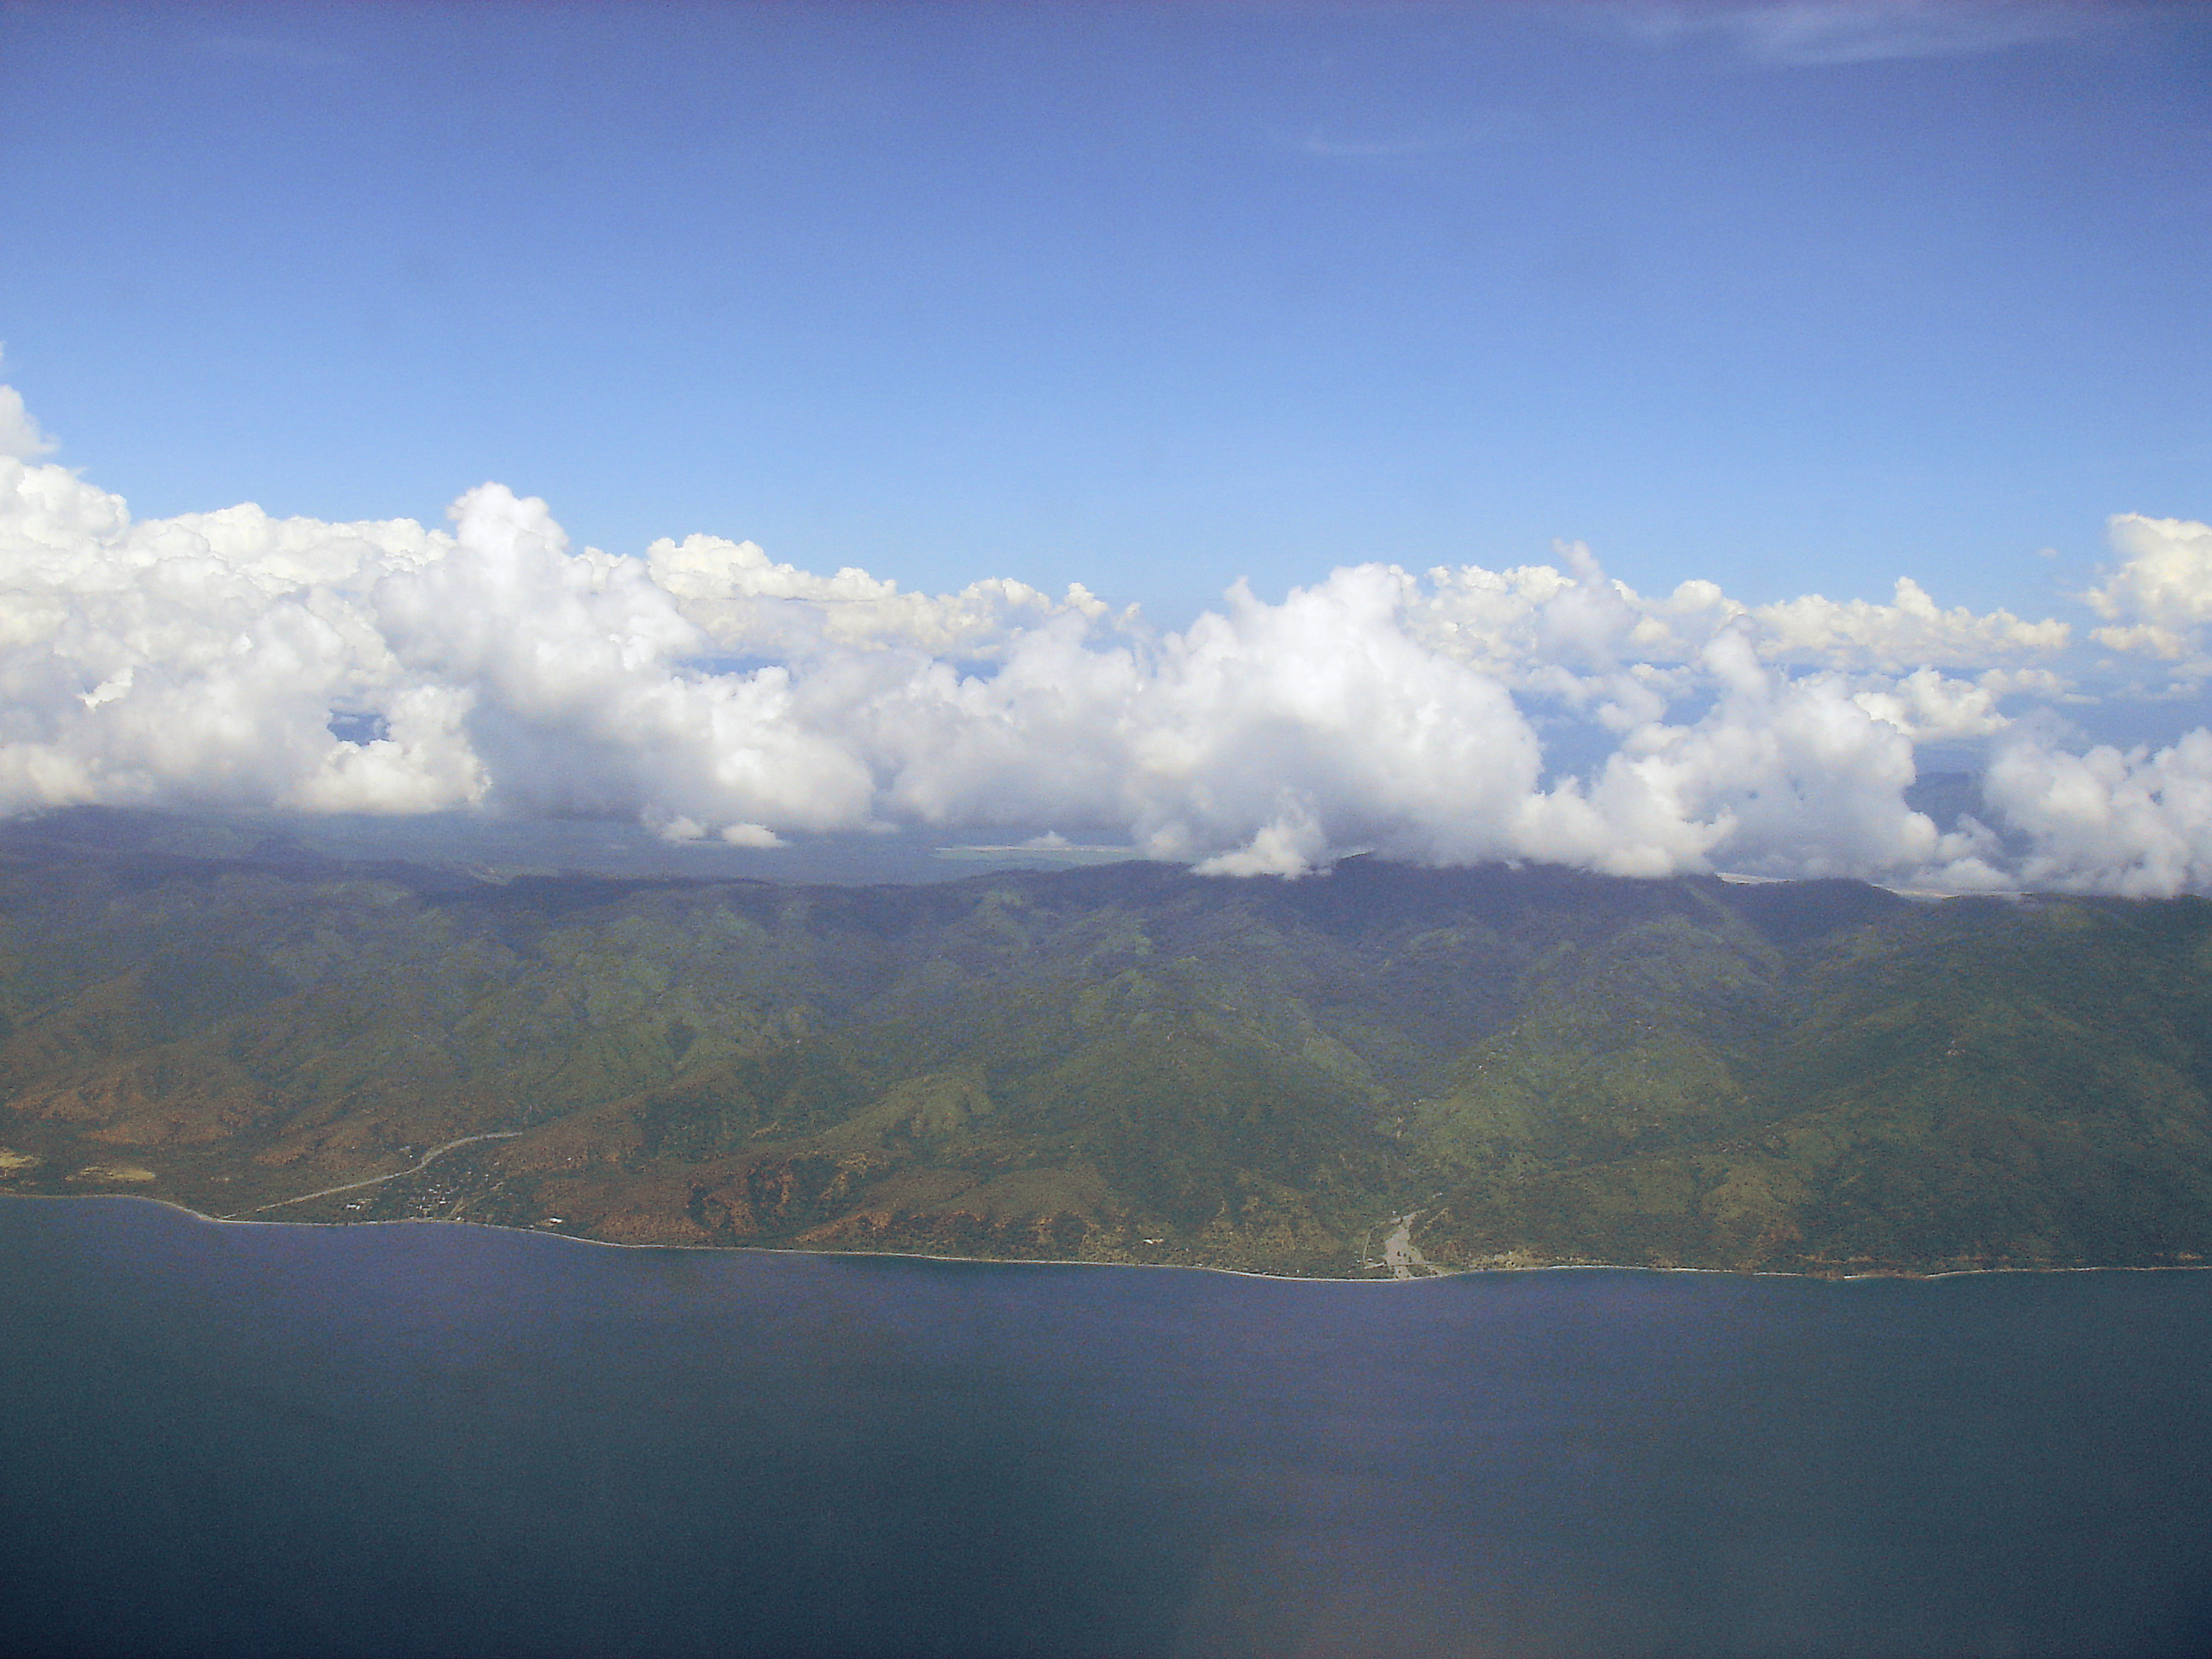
(1127, 1062)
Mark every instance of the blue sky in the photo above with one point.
(1146, 296)
(1865, 342)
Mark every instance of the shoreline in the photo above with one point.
(252, 1219)
(416, 1167)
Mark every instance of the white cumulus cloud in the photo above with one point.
(2136, 822)
(714, 694)
(2159, 599)
(21, 437)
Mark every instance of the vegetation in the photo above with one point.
(1121, 1063)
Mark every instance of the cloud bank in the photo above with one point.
(231, 659)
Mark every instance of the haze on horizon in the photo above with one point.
(1647, 437)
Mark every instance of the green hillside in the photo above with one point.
(1121, 1063)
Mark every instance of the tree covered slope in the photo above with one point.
(1123, 1063)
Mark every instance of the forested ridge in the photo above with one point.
(1126, 1062)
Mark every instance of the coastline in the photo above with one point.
(1903, 1275)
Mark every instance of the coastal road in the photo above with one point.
(422, 1163)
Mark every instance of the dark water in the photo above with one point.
(442, 1440)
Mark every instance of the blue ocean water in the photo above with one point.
(426, 1439)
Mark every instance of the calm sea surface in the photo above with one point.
(448, 1440)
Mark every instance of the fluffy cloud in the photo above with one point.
(2159, 596)
(709, 691)
(20, 439)
(1571, 630)
(743, 601)
(2137, 823)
